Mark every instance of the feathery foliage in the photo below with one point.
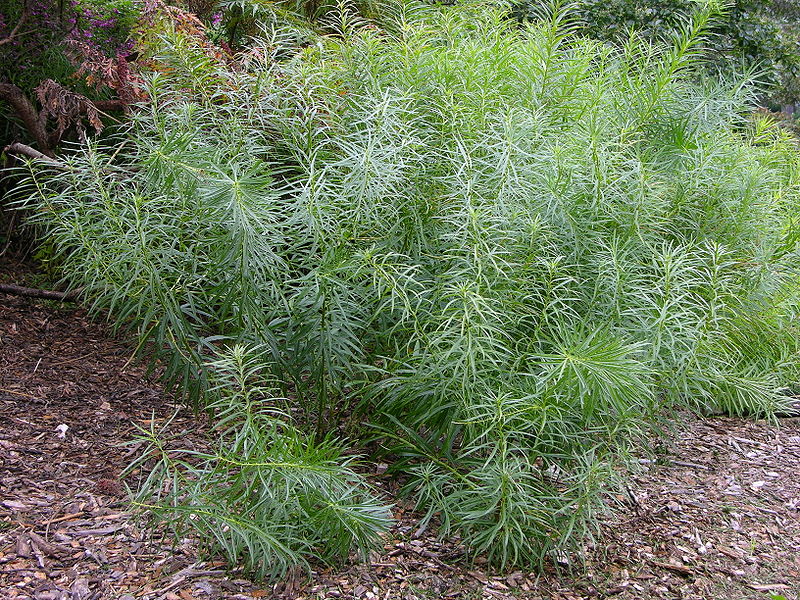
(507, 249)
(269, 497)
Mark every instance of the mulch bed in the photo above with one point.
(716, 516)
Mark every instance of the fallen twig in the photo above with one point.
(15, 32)
(19, 290)
(63, 518)
(768, 587)
(681, 569)
(100, 531)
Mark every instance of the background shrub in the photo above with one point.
(765, 34)
(55, 30)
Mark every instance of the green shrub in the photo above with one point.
(506, 249)
(763, 34)
(238, 22)
(269, 497)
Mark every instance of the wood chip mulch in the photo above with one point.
(716, 516)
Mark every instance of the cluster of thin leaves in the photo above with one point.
(269, 496)
(507, 249)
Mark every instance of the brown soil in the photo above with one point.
(718, 517)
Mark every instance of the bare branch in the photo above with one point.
(10, 37)
(18, 290)
(17, 148)
(27, 112)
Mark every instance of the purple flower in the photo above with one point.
(216, 19)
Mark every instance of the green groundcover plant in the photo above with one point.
(498, 252)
